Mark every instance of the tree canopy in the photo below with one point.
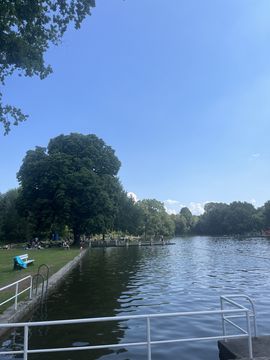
(72, 182)
(236, 218)
(154, 219)
(71, 186)
(13, 227)
(184, 221)
(27, 28)
(55, 197)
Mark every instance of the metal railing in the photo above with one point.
(44, 268)
(17, 291)
(226, 315)
(36, 285)
(226, 319)
(228, 299)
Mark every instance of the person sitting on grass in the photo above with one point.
(66, 245)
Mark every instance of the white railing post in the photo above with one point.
(25, 343)
(16, 295)
(31, 286)
(149, 355)
(252, 306)
(222, 318)
(250, 350)
(255, 324)
(254, 316)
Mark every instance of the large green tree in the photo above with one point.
(129, 215)
(240, 218)
(72, 182)
(223, 219)
(180, 224)
(154, 218)
(13, 227)
(27, 28)
(212, 222)
(184, 221)
(265, 211)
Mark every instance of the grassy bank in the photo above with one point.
(54, 258)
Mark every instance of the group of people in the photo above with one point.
(6, 247)
(35, 244)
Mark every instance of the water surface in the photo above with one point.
(187, 276)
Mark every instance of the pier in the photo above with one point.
(126, 243)
(238, 349)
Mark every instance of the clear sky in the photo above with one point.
(179, 88)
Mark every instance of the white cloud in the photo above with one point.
(196, 208)
(133, 196)
(255, 156)
(172, 202)
(253, 202)
(174, 207)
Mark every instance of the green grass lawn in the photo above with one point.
(54, 258)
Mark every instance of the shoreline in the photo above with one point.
(26, 306)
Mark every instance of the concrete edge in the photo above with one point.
(24, 307)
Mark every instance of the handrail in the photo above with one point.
(47, 274)
(120, 318)
(148, 342)
(248, 298)
(17, 293)
(36, 284)
(249, 314)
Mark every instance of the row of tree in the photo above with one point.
(237, 218)
(71, 188)
(147, 218)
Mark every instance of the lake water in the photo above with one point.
(187, 276)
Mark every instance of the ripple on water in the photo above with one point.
(188, 276)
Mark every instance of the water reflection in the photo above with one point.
(137, 280)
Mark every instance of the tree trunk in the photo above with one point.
(77, 237)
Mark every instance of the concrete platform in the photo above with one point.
(113, 244)
(238, 348)
(257, 358)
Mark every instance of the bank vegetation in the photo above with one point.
(71, 188)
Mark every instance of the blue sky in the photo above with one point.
(180, 89)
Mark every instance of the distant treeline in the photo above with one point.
(71, 188)
(237, 218)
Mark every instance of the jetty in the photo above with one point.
(238, 349)
(126, 243)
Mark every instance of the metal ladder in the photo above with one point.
(41, 278)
